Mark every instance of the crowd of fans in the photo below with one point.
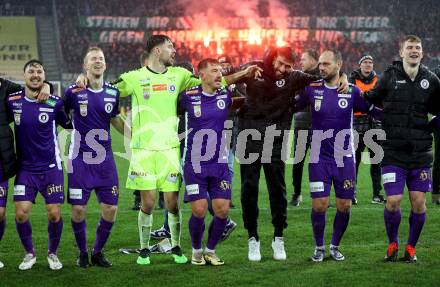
(407, 17)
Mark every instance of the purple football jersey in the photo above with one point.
(205, 114)
(332, 120)
(91, 112)
(36, 131)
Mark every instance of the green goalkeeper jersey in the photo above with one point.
(154, 105)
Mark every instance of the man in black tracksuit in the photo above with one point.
(302, 121)
(267, 104)
(408, 92)
(436, 167)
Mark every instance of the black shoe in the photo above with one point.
(99, 259)
(136, 203)
(83, 260)
(410, 254)
(378, 199)
(354, 201)
(296, 200)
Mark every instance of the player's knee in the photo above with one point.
(344, 206)
(199, 211)
(320, 205)
(21, 215)
(78, 213)
(393, 204)
(54, 215)
(2, 214)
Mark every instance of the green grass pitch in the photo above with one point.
(364, 246)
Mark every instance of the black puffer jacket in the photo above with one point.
(406, 105)
(8, 158)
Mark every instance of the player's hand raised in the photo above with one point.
(343, 84)
(43, 94)
(82, 81)
(253, 71)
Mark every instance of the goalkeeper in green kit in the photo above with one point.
(155, 160)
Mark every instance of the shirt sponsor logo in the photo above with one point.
(108, 108)
(316, 186)
(343, 103)
(401, 82)
(192, 189)
(43, 118)
(75, 193)
(83, 110)
(159, 87)
(113, 100)
(389, 177)
(344, 96)
(85, 102)
(82, 96)
(192, 92)
(424, 84)
(280, 83)
(19, 190)
(111, 92)
(221, 104)
(14, 98)
(222, 97)
(46, 110)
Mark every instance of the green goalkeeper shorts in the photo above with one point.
(154, 170)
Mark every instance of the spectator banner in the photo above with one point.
(343, 23)
(18, 45)
(252, 36)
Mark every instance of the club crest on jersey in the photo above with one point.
(343, 103)
(424, 84)
(172, 88)
(83, 110)
(43, 118)
(108, 108)
(280, 83)
(17, 118)
(317, 105)
(197, 111)
(221, 104)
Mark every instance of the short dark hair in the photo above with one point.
(33, 63)
(337, 56)
(205, 62)
(409, 38)
(154, 41)
(312, 53)
(92, 49)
